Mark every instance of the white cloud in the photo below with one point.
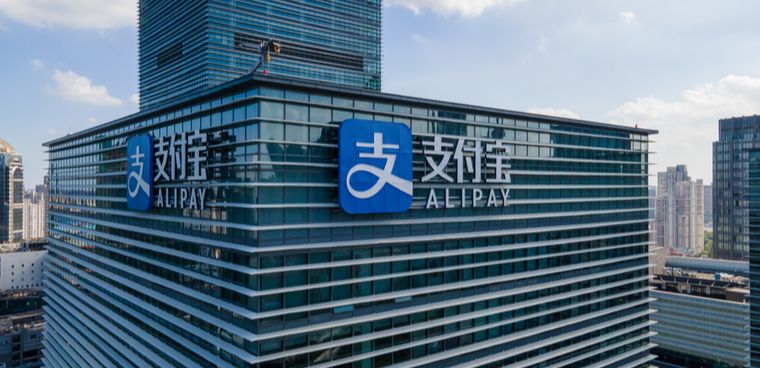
(52, 131)
(73, 87)
(37, 64)
(92, 120)
(628, 16)
(689, 125)
(467, 8)
(135, 99)
(82, 14)
(561, 112)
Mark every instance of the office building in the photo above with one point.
(701, 322)
(189, 46)
(280, 223)
(11, 194)
(21, 339)
(21, 269)
(730, 206)
(708, 206)
(679, 222)
(21, 321)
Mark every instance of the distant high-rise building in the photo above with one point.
(189, 46)
(730, 205)
(679, 222)
(708, 205)
(34, 214)
(11, 194)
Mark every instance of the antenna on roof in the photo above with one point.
(266, 48)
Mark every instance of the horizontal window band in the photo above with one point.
(328, 225)
(386, 296)
(392, 332)
(357, 243)
(492, 342)
(166, 316)
(575, 347)
(352, 262)
(617, 358)
(81, 344)
(212, 358)
(451, 303)
(148, 353)
(251, 293)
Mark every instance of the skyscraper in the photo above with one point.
(11, 194)
(281, 223)
(679, 217)
(189, 46)
(730, 206)
(753, 235)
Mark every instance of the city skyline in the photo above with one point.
(559, 59)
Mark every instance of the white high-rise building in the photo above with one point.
(679, 215)
(34, 215)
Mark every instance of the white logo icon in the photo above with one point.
(141, 183)
(384, 176)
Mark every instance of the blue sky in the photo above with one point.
(676, 66)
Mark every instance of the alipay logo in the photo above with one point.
(375, 167)
(140, 172)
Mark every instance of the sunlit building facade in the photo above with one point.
(11, 194)
(525, 240)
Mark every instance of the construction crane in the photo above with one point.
(267, 47)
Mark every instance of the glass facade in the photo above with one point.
(272, 273)
(700, 331)
(190, 45)
(753, 201)
(730, 205)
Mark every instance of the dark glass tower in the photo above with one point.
(730, 206)
(753, 201)
(190, 45)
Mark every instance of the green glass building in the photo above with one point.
(246, 259)
(186, 46)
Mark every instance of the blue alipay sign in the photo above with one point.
(374, 166)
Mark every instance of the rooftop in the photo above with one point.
(249, 80)
(701, 287)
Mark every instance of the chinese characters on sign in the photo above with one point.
(181, 157)
(476, 161)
